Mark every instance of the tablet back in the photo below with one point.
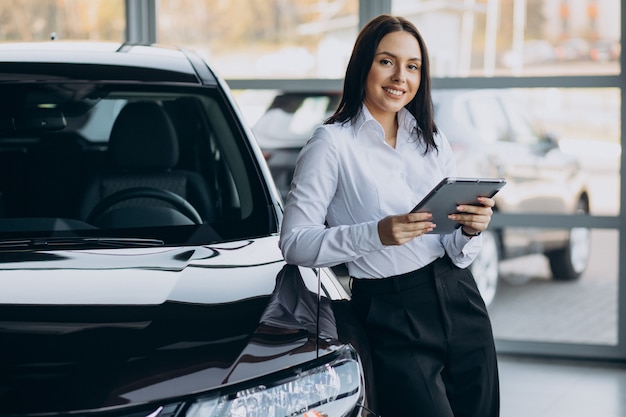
(452, 191)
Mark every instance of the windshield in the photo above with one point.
(166, 164)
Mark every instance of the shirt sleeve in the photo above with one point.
(462, 250)
(305, 240)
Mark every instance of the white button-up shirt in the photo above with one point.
(347, 179)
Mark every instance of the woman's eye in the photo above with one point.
(385, 61)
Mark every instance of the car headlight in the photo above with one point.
(333, 388)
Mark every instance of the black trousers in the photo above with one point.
(431, 343)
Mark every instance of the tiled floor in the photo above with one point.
(557, 388)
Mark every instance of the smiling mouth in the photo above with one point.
(392, 91)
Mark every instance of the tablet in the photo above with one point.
(452, 191)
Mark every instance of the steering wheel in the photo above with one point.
(179, 203)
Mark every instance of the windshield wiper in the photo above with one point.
(56, 242)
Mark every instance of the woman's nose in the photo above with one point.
(399, 75)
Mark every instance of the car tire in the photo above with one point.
(569, 263)
(486, 267)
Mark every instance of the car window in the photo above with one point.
(488, 117)
(98, 126)
(521, 129)
(298, 114)
(66, 147)
(309, 114)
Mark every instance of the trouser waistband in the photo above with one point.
(394, 283)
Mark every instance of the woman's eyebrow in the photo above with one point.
(417, 58)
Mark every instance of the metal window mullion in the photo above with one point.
(621, 268)
(368, 9)
(141, 21)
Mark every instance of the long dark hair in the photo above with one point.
(359, 66)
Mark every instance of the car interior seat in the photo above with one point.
(142, 187)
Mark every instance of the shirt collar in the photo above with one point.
(406, 121)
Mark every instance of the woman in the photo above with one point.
(355, 182)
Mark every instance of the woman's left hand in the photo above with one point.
(472, 218)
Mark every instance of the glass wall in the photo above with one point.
(518, 37)
(533, 302)
(264, 38)
(483, 38)
(40, 20)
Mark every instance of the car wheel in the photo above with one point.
(485, 267)
(569, 263)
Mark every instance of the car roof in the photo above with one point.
(101, 61)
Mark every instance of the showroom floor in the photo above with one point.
(533, 387)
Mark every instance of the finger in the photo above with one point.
(476, 210)
(470, 217)
(413, 230)
(402, 235)
(486, 201)
(418, 217)
(477, 224)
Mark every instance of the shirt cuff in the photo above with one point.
(466, 242)
(365, 237)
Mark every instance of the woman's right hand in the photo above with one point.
(402, 228)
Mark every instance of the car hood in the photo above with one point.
(94, 329)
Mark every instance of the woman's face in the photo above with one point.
(394, 78)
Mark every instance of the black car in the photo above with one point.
(491, 136)
(140, 273)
